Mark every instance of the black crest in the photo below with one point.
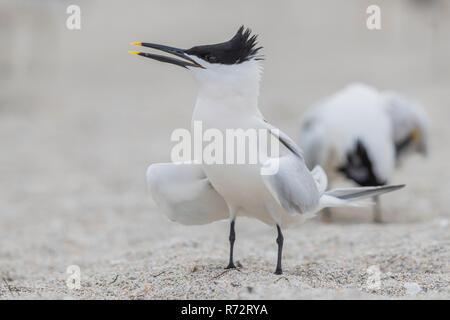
(242, 47)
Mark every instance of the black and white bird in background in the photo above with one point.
(228, 75)
(363, 134)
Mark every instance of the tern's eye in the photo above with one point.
(210, 58)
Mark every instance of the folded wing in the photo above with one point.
(292, 185)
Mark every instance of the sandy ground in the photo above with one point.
(77, 133)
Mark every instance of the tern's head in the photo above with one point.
(410, 123)
(219, 62)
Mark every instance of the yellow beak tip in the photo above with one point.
(133, 52)
(136, 43)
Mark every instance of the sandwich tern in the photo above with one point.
(228, 74)
(362, 133)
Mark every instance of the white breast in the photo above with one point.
(240, 185)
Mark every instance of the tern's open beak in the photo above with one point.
(175, 51)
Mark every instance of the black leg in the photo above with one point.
(377, 218)
(232, 238)
(280, 240)
(326, 215)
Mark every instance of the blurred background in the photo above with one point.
(81, 119)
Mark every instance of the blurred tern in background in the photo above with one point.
(362, 133)
(229, 74)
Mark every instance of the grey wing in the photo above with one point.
(292, 185)
(361, 192)
(284, 139)
(184, 193)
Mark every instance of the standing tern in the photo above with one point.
(362, 133)
(229, 74)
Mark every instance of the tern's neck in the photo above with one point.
(241, 97)
(234, 90)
